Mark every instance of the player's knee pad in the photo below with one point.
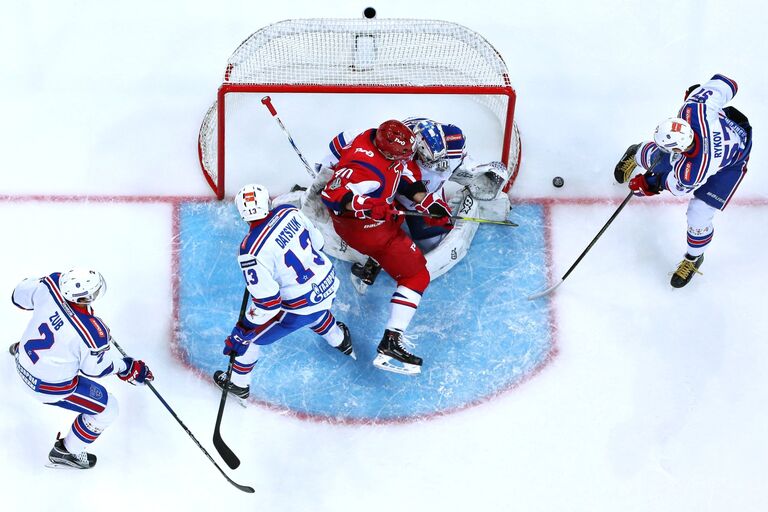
(700, 215)
(102, 420)
(417, 282)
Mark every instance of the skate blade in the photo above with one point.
(359, 285)
(62, 465)
(385, 363)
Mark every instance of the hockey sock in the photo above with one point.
(699, 239)
(403, 306)
(83, 432)
(700, 228)
(327, 328)
(241, 369)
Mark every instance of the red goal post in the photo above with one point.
(363, 56)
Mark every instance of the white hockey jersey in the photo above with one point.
(719, 142)
(61, 341)
(284, 267)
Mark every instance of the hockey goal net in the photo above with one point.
(427, 59)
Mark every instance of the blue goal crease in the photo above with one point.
(475, 330)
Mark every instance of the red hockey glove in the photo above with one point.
(648, 184)
(136, 372)
(444, 222)
(434, 205)
(366, 207)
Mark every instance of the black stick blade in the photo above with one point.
(227, 455)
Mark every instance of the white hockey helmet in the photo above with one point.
(253, 202)
(82, 286)
(430, 141)
(673, 135)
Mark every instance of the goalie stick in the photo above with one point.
(226, 453)
(615, 214)
(267, 101)
(244, 488)
(411, 213)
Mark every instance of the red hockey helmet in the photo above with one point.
(394, 140)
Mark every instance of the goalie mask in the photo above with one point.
(82, 286)
(394, 140)
(673, 135)
(253, 202)
(430, 142)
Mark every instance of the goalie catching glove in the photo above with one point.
(377, 208)
(433, 205)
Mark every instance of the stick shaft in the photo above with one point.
(267, 102)
(232, 460)
(552, 288)
(243, 488)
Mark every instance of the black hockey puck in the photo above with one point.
(369, 13)
(558, 181)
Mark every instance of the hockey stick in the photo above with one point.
(615, 214)
(267, 101)
(226, 453)
(243, 488)
(412, 213)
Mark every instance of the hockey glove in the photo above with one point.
(239, 340)
(136, 372)
(434, 205)
(626, 165)
(690, 89)
(366, 207)
(648, 184)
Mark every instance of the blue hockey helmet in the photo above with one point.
(430, 141)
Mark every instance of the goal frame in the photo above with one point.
(509, 127)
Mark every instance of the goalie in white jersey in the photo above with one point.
(65, 345)
(291, 283)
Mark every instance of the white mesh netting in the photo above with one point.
(328, 55)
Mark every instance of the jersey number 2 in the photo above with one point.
(32, 346)
(291, 260)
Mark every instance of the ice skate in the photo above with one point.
(364, 276)
(393, 357)
(685, 270)
(61, 458)
(626, 165)
(346, 347)
(219, 377)
(14, 349)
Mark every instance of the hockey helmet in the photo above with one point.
(253, 202)
(430, 141)
(673, 135)
(82, 286)
(394, 140)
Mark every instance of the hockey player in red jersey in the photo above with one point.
(360, 195)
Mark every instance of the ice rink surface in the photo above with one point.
(639, 397)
